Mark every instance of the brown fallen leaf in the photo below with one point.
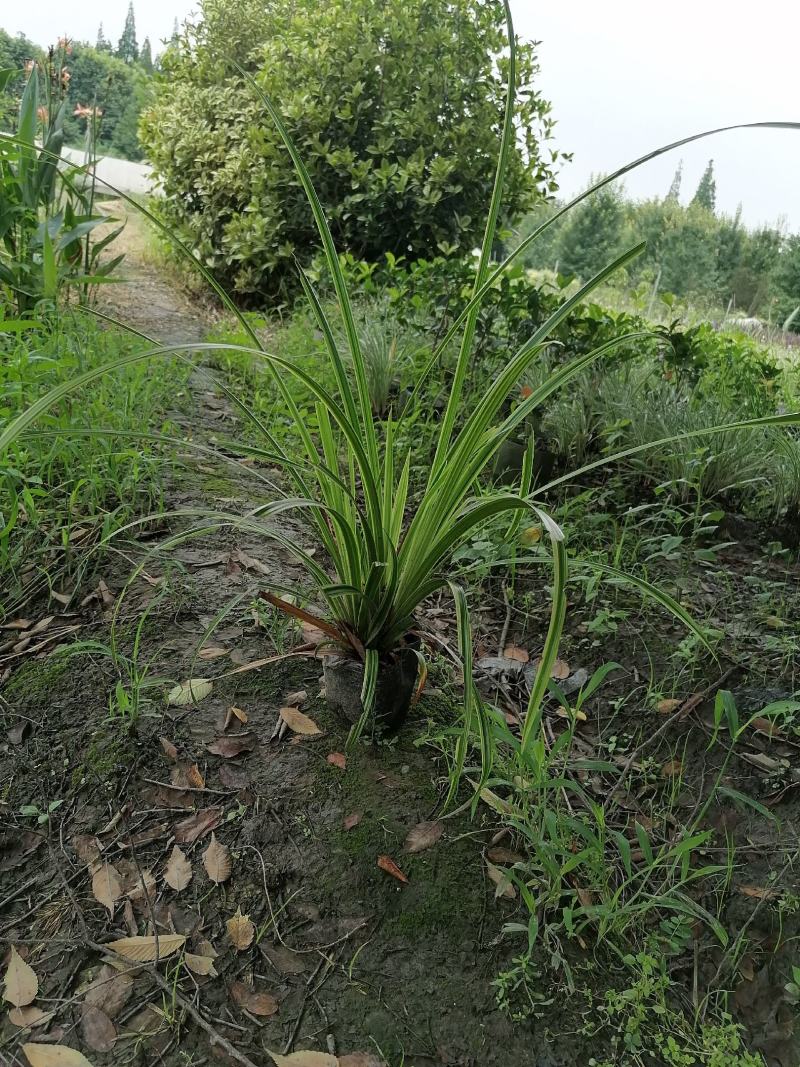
(170, 751)
(282, 958)
(209, 652)
(759, 892)
(54, 1056)
(144, 949)
(337, 759)
(505, 887)
(294, 700)
(29, 1016)
(386, 863)
(97, 1030)
(187, 776)
(233, 776)
(231, 747)
(516, 653)
(178, 872)
(766, 726)
(498, 854)
(205, 948)
(217, 861)
(256, 1003)
(138, 886)
(304, 1059)
(423, 835)
(361, 1059)
(351, 821)
(672, 768)
(240, 931)
(107, 886)
(110, 991)
(234, 714)
(21, 983)
(88, 849)
(298, 722)
(202, 965)
(667, 706)
(187, 831)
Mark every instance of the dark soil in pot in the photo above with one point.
(397, 679)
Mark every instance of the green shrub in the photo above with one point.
(396, 110)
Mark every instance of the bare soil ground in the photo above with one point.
(359, 944)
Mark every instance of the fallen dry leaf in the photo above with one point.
(234, 713)
(145, 949)
(107, 886)
(516, 653)
(423, 835)
(240, 930)
(212, 652)
(233, 776)
(351, 821)
(298, 722)
(231, 747)
(21, 983)
(671, 768)
(337, 759)
(170, 750)
(282, 958)
(294, 700)
(202, 965)
(87, 848)
(189, 830)
(205, 948)
(759, 892)
(178, 872)
(54, 1056)
(189, 692)
(217, 861)
(97, 1030)
(386, 863)
(505, 887)
(667, 706)
(498, 854)
(256, 1003)
(187, 776)
(110, 991)
(766, 726)
(304, 1059)
(361, 1059)
(29, 1016)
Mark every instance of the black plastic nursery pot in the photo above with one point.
(394, 689)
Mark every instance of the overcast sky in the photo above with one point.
(623, 76)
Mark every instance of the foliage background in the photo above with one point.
(396, 110)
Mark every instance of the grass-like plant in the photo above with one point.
(47, 211)
(389, 549)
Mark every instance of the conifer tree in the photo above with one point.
(128, 49)
(146, 56)
(706, 195)
(675, 187)
(103, 44)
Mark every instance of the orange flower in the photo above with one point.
(42, 114)
(525, 392)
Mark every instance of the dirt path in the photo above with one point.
(341, 955)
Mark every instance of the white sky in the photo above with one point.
(624, 76)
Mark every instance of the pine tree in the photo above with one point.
(146, 56)
(103, 43)
(128, 49)
(675, 187)
(175, 31)
(706, 195)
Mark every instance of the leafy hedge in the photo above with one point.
(395, 108)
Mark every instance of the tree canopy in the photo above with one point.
(395, 108)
